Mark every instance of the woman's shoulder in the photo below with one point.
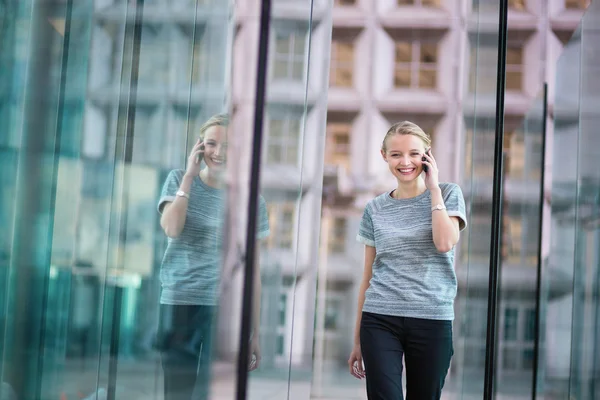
(377, 202)
(176, 174)
(448, 187)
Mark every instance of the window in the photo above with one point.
(332, 311)
(344, 3)
(199, 66)
(514, 67)
(337, 235)
(282, 308)
(283, 140)
(479, 155)
(338, 144)
(483, 66)
(422, 3)
(518, 337)
(510, 323)
(415, 65)
(288, 59)
(474, 328)
(342, 63)
(493, 6)
(281, 324)
(476, 247)
(576, 4)
(152, 64)
(513, 237)
(517, 5)
(281, 220)
(515, 155)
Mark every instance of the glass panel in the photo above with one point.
(520, 244)
(560, 267)
(467, 370)
(290, 181)
(117, 118)
(585, 350)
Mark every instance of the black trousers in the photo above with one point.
(185, 341)
(425, 345)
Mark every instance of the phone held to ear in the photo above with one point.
(198, 158)
(425, 167)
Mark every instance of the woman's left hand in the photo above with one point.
(432, 175)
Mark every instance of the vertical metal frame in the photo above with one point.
(249, 265)
(497, 200)
(538, 288)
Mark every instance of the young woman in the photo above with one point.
(192, 205)
(406, 299)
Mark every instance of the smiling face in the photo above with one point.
(215, 147)
(403, 154)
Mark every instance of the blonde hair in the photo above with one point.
(406, 128)
(215, 120)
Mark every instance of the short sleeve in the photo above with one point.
(170, 188)
(263, 219)
(455, 204)
(366, 234)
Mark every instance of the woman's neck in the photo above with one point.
(410, 189)
(211, 179)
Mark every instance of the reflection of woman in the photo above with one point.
(406, 298)
(191, 204)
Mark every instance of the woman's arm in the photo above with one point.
(445, 228)
(364, 285)
(172, 219)
(257, 294)
(173, 215)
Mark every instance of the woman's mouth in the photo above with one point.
(218, 161)
(406, 171)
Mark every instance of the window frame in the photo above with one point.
(416, 67)
(289, 58)
(336, 65)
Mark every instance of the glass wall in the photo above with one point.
(122, 270)
(477, 178)
(571, 282)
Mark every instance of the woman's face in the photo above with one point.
(215, 147)
(403, 155)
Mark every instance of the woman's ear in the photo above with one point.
(383, 155)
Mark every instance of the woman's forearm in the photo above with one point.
(445, 230)
(174, 214)
(257, 296)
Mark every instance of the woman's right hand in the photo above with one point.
(355, 362)
(196, 156)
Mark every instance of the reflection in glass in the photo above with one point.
(192, 209)
(290, 48)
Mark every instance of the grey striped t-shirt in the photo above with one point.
(411, 278)
(191, 265)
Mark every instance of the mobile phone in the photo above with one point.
(198, 158)
(425, 168)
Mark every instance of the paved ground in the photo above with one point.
(137, 380)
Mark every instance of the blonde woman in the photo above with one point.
(406, 298)
(192, 206)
